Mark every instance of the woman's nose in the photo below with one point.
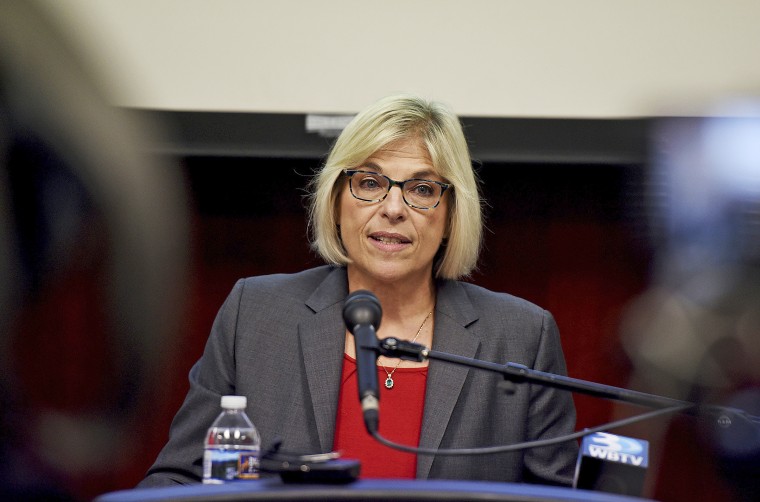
(394, 204)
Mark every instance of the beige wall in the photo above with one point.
(538, 58)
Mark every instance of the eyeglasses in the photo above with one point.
(374, 187)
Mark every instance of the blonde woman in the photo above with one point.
(395, 210)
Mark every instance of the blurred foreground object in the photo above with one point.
(81, 206)
(695, 335)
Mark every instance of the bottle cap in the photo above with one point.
(234, 402)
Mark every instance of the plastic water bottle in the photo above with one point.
(232, 445)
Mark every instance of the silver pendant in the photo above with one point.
(389, 383)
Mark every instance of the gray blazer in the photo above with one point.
(279, 340)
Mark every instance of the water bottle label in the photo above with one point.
(221, 465)
(249, 466)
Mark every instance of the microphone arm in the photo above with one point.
(393, 347)
(724, 417)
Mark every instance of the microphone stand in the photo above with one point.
(518, 373)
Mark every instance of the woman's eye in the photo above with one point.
(422, 189)
(369, 183)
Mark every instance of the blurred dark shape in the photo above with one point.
(695, 334)
(79, 197)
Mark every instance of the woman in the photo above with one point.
(394, 210)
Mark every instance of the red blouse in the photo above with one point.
(400, 421)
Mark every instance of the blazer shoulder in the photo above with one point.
(295, 284)
(489, 302)
(512, 328)
(316, 289)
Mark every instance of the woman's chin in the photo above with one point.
(386, 274)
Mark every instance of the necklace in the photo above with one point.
(389, 381)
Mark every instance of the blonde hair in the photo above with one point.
(388, 120)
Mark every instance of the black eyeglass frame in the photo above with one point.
(391, 183)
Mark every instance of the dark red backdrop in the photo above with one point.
(567, 237)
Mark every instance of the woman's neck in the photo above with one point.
(400, 301)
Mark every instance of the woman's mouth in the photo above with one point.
(389, 241)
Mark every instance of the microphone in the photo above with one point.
(362, 314)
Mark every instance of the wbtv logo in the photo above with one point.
(612, 463)
(614, 448)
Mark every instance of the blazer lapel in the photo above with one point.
(454, 313)
(322, 346)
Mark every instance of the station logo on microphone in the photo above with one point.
(614, 448)
(611, 463)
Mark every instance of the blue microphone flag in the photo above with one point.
(611, 463)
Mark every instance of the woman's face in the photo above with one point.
(389, 241)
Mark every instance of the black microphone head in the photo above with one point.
(362, 308)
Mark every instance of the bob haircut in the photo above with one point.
(388, 120)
